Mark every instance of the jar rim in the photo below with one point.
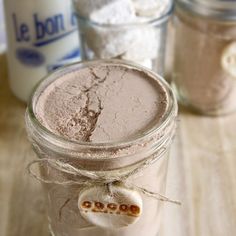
(222, 10)
(154, 21)
(59, 141)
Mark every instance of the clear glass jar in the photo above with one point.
(204, 74)
(112, 160)
(143, 42)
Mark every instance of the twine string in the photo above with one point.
(92, 178)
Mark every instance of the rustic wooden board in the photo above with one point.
(202, 174)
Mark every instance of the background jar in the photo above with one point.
(143, 42)
(205, 52)
(111, 159)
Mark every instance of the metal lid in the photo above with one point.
(220, 9)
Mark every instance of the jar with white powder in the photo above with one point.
(125, 29)
(102, 131)
(204, 72)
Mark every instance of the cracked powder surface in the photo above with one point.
(102, 103)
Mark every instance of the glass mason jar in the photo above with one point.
(143, 42)
(144, 158)
(204, 73)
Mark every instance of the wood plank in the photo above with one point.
(202, 174)
(21, 200)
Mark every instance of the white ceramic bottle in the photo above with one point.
(42, 35)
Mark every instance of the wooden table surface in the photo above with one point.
(202, 175)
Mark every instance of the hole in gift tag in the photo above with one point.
(100, 208)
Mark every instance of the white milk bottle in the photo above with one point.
(42, 36)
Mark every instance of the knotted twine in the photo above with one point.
(92, 178)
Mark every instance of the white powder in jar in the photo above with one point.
(122, 28)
